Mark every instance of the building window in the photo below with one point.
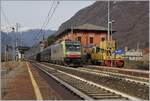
(103, 39)
(79, 38)
(91, 40)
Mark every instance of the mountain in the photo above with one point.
(131, 20)
(5, 40)
(31, 37)
(25, 38)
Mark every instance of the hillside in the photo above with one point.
(29, 37)
(131, 20)
(5, 39)
(32, 36)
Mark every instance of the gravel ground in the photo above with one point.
(139, 91)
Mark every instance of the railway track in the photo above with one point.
(136, 89)
(132, 79)
(130, 72)
(128, 78)
(86, 89)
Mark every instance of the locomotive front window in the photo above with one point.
(70, 47)
(97, 49)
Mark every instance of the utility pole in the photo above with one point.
(16, 41)
(5, 52)
(17, 28)
(5, 47)
(44, 36)
(21, 38)
(111, 22)
(108, 38)
(108, 4)
(137, 47)
(13, 30)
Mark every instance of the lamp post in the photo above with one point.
(111, 22)
(108, 4)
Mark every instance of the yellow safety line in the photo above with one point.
(35, 86)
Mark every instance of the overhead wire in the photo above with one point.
(47, 19)
(39, 32)
(4, 15)
(52, 13)
(50, 17)
(48, 14)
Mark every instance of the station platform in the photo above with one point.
(25, 82)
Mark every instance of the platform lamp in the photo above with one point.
(108, 8)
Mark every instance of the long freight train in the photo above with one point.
(65, 53)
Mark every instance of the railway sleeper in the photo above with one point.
(56, 73)
(73, 83)
(89, 91)
(98, 89)
(81, 87)
(106, 97)
(95, 91)
(88, 85)
(112, 99)
(100, 94)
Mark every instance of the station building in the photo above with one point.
(87, 34)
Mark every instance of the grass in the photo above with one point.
(10, 65)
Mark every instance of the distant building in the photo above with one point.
(21, 52)
(136, 55)
(87, 34)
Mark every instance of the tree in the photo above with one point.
(51, 39)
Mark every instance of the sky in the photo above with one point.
(31, 14)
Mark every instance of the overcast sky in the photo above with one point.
(31, 14)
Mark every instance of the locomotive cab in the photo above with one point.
(72, 53)
(66, 52)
